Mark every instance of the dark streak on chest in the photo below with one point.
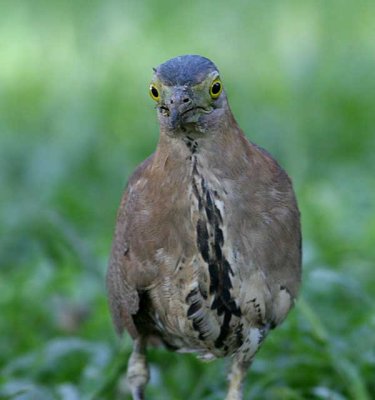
(191, 144)
(210, 242)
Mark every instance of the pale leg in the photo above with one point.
(236, 378)
(138, 373)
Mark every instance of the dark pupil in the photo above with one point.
(154, 92)
(216, 88)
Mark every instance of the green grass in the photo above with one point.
(75, 120)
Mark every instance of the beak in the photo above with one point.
(180, 102)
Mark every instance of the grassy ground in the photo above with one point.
(75, 120)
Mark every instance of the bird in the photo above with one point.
(206, 255)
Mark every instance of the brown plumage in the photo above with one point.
(207, 250)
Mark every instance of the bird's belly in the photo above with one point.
(190, 317)
(184, 333)
(181, 311)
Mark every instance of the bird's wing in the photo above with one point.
(269, 229)
(122, 270)
(279, 255)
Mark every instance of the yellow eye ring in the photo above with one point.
(216, 88)
(154, 92)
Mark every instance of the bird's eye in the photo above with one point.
(216, 88)
(154, 92)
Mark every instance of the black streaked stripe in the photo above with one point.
(210, 242)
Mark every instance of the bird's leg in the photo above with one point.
(138, 373)
(237, 374)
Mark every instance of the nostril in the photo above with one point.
(171, 101)
(186, 100)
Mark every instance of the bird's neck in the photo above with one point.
(220, 144)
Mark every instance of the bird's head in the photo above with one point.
(189, 95)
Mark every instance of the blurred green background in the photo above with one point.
(75, 120)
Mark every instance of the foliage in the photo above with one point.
(76, 120)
